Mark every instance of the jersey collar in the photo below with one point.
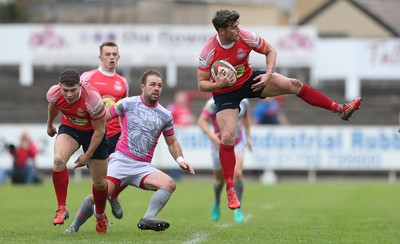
(224, 46)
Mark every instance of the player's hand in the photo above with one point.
(51, 131)
(263, 80)
(81, 161)
(226, 80)
(187, 167)
(250, 144)
(215, 139)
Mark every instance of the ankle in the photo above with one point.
(336, 107)
(230, 184)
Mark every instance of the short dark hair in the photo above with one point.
(224, 18)
(147, 74)
(108, 44)
(70, 77)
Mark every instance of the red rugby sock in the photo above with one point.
(60, 182)
(228, 161)
(100, 198)
(316, 98)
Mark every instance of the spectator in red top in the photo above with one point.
(180, 109)
(24, 169)
(24, 160)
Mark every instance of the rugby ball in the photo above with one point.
(221, 66)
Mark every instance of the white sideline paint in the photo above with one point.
(224, 225)
(247, 217)
(197, 237)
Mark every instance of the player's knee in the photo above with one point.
(100, 185)
(229, 139)
(170, 185)
(238, 175)
(219, 182)
(59, 162)
(296, 83)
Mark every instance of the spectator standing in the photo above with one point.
(180, 109)
(268, 111)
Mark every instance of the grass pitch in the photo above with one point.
(350, 212)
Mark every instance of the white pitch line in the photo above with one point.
(197, 237)
(247, 217)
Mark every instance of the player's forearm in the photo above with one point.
(108, 115)
(99, 127)
(207, 86)
(51, 114)
(270, 59)
(203, 124)
(95, 141)
(175, 149)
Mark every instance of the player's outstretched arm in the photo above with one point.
(176, 152)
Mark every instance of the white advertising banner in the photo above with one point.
(378, 54)
(362, 58)
(285, 148)
(140, 45)
(305, 147)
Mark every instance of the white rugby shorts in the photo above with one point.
(128, 170)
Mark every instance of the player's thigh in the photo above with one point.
(157, 180)
(64, 147)
(281, 85)
(227, 122)
(111, 186)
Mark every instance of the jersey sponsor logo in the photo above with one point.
(108, 102)
(79, 121)
(239, 70)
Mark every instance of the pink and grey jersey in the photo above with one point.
(142, 125)
(209, 111)
(112, 88)
(79, 114)
(236, 53)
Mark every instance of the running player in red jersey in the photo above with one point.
(82, 124)
(112, 88)
(234, 45)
